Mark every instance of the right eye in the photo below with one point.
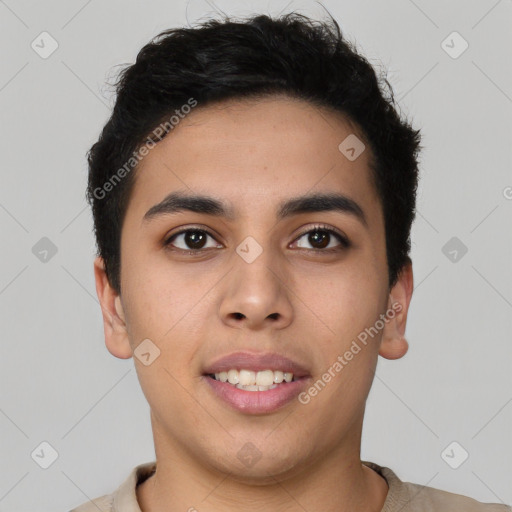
(194, 240)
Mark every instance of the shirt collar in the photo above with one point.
(125, 497)
(397, 497)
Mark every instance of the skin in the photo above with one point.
(294, 299)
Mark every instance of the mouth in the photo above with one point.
(250, 380)
(255, 383)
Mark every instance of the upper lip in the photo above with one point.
(256, 362)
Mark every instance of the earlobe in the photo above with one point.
(393, 344)
(393, 348)
(114, 320)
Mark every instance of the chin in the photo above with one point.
(254, 466)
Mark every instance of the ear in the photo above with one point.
(393, 344)
(114, 324)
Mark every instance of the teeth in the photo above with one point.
(233, 377)
(248, 379)
(278, 377)
(256, 388)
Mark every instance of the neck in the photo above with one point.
(336, 481)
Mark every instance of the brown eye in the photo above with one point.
(191, 240)
(321, 238)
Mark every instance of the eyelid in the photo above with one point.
(324, 227)
(190, 227)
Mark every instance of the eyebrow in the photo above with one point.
(177, 202)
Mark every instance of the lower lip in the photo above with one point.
(256, 402)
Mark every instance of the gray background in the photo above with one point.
(58, 382)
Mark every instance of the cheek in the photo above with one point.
(351, 306)
(164, 386)
(159, 299)
(342, 301)
(170, 308)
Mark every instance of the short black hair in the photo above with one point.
(255, 57)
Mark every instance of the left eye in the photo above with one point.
(321, 237)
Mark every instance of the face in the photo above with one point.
(243, 275)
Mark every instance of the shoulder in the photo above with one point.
(428, 499)
(101, 504)
(125, 496)
(411, 497)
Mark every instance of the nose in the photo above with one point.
(256, 295)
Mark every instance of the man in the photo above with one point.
(253, 195)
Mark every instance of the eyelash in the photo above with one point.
(345, 243)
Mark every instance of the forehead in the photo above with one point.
(255, 152)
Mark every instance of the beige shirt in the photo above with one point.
(401, 497)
